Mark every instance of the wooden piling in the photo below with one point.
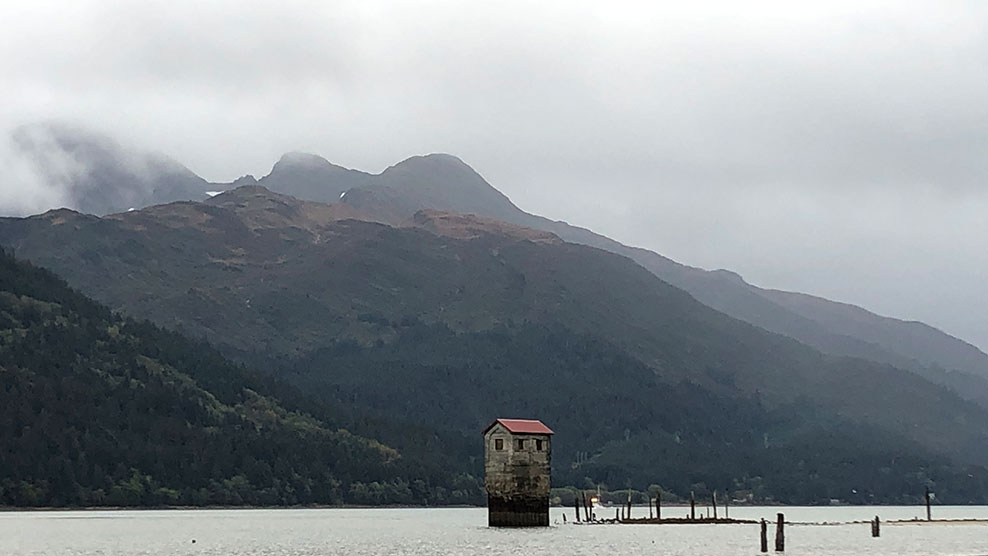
(629, 504)
(780, 534)
(658, 505)
(692, 506)
(714, 499)
(727, 511)
(576, 506)
(764, 535)
(928, 516)
(875, 528)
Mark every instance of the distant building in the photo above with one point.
(517, 455)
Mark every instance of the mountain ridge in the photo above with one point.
(444, 182)
(724, 290)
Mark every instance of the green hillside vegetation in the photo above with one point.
(100, 410)
(443, 324)
(617, 423)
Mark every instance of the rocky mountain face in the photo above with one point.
(446, 319)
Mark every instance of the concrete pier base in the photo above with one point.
(517, 512)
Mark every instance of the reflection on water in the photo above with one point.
(403, 532)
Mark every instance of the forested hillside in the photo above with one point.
(617, 424)
(101, 410)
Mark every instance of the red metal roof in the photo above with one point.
(521, 426)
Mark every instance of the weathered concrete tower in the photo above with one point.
(517, 455)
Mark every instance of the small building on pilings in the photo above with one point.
(517, 457)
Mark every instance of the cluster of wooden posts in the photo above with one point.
(780, 534)
(622, 514)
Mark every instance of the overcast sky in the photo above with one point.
(839, 149)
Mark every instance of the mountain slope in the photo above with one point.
(443, 182)
(98, 410)
(420, 321)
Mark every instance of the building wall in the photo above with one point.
(517, 479)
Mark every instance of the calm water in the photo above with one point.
(403, 532)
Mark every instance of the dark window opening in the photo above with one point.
(538, 445)
(520, 444)
(498, 444)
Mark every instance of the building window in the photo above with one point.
(498, 444)
(538, 445)
(520, 444)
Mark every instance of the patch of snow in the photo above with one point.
(213, 193)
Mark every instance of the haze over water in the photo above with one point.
(463, 531)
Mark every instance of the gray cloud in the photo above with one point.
(838, 149)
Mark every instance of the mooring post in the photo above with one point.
(629, 504)
(714, 497)
(875, 532)
(780, 534)
(658, 505)
(764, 535)
(928, 516)
(650, 515)
(692, 506)
(586, 507)
(576, 506)
(727, 511)
(617, 514)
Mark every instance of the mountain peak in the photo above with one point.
(304, 158)
(247, 179)
(97, 175)
(304, 161)
(62, 215)
(728, 275)
(312, 177)
(434, 159)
